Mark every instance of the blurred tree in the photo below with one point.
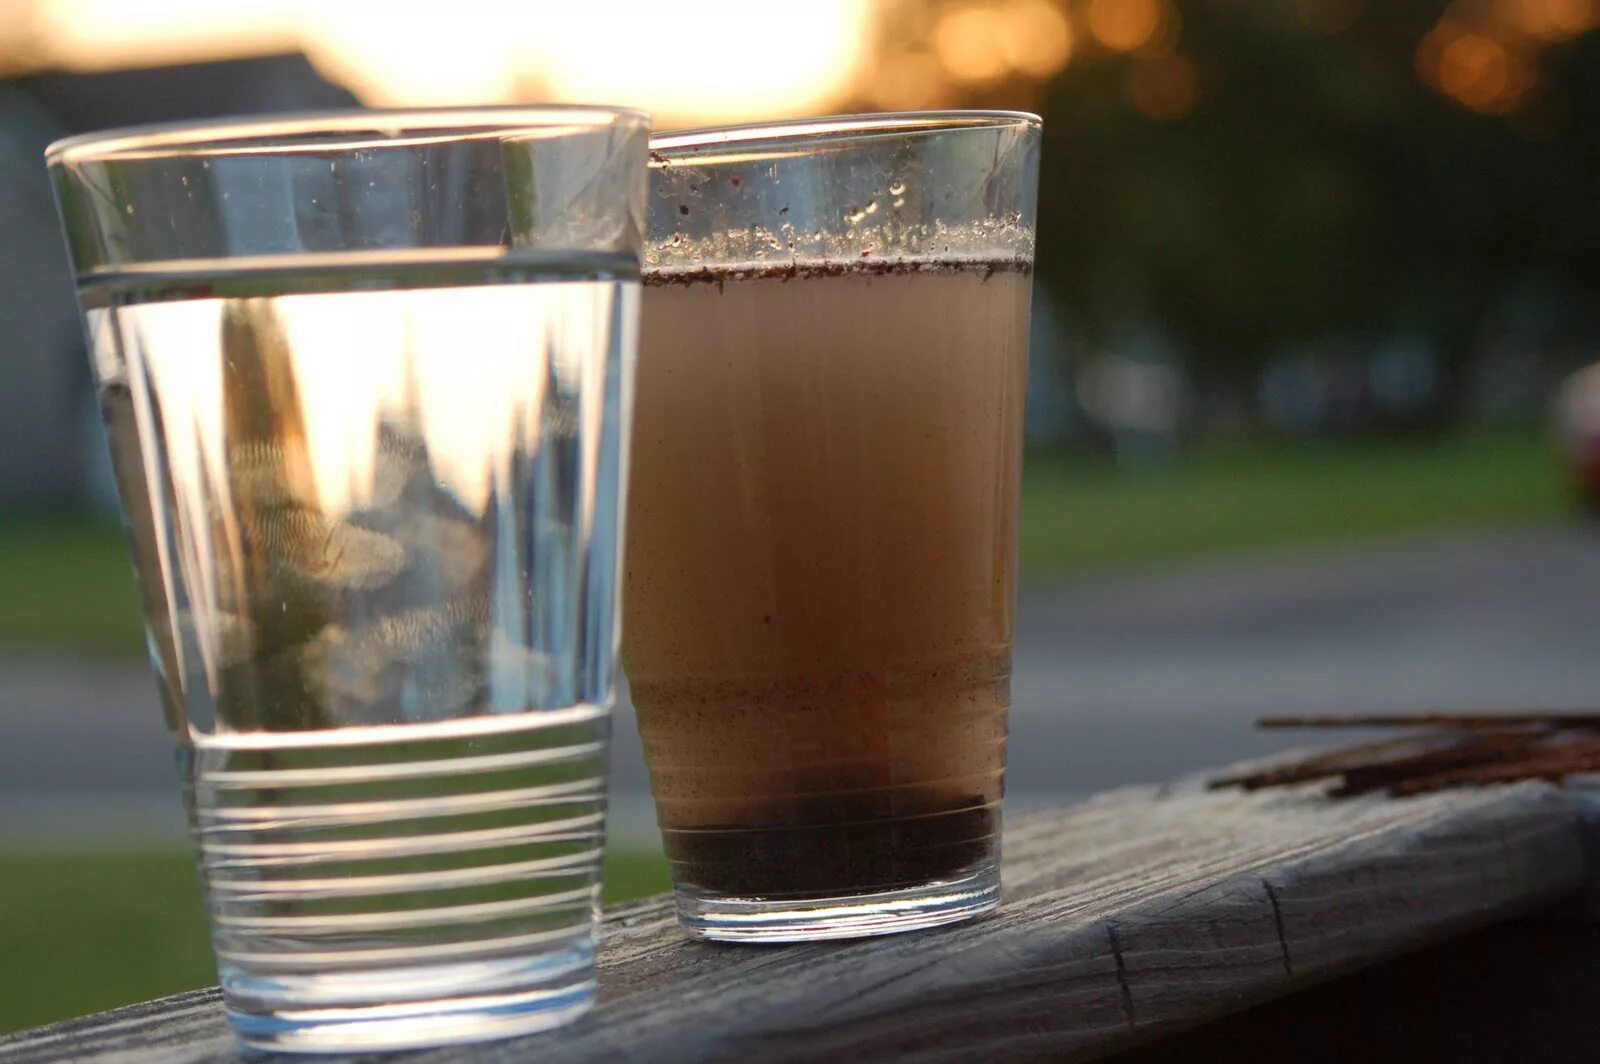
(1276, 170)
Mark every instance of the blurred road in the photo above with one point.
(1119, 678)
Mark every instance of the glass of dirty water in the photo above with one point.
(823, 523)
(366, 379)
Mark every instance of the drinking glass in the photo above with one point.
(823, 519)
(366, 379)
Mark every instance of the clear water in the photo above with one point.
(375, 511)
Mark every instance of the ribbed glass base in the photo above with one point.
(410, 1007)
(724, 918)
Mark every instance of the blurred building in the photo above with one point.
(43, 373)
(51, 453)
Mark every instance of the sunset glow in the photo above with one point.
(729, 60)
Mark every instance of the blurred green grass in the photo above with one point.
(82, 932)
(1261, 496)
(66, 586)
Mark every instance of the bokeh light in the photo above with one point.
(1552, 19)
(1127, 25)
(1474, 68)
(1035, 37)
(967, 41)
(909, 82)
(1485, 55)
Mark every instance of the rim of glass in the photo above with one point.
(271, 134)
(831, 126)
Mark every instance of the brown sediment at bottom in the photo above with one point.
(837, 859)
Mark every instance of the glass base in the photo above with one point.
(729, 918)
(410, 1007)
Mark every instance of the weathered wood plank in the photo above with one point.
(1135, 914)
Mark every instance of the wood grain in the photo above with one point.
(1141, 912)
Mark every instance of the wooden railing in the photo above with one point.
(1137, 914)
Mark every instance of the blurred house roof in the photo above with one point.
(83, 102)
(49, 452)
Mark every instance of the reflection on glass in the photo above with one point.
(359, 482)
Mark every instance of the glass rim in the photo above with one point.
(270, 134)
(829, 127)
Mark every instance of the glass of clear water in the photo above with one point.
(366, 379)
